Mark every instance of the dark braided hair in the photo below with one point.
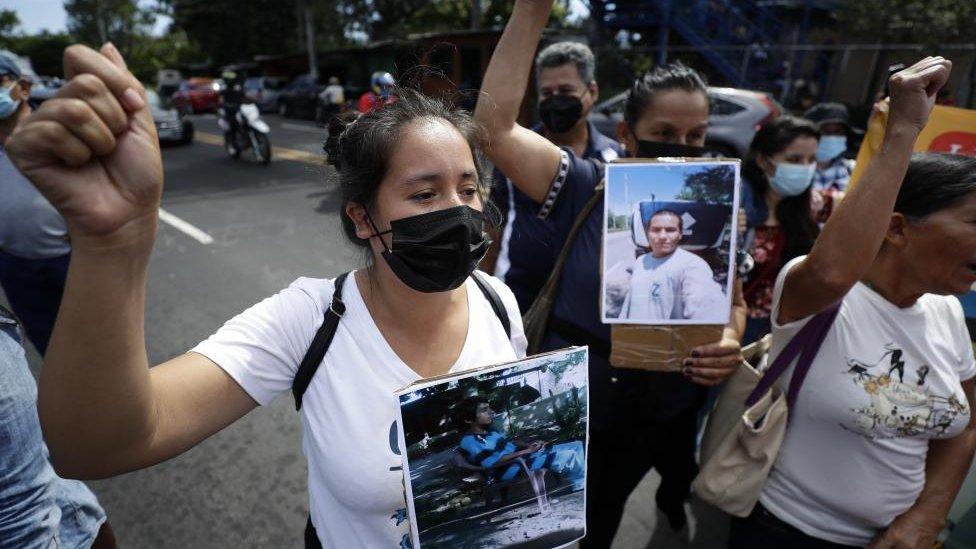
(360, 146)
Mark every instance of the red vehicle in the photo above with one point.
(197, 95)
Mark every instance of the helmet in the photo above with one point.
(229, 76)
(381, 82)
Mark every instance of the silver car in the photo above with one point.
(264, 90)
(734, 117)
(171, 126)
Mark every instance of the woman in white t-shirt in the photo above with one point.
(412, 168)
(881, 435)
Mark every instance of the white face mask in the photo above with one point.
(792, 179)
(8, 105)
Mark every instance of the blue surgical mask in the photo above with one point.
(792, 179)
(8, 105)
(831, 146)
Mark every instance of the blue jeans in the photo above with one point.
(34, 288)
(38, 509)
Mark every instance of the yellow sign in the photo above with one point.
(950, 130)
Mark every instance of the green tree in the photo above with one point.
(225, 33)
(928, 22)
(45, 50)
(713, 184)
(95, 22)
(8, 28)
(383, 19)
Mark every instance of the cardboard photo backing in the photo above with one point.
(663, 347)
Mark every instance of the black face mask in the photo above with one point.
(436, 251)
(655, 149)
(559, 113)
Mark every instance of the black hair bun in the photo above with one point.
(337, 130)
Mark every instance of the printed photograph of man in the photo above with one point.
(669, 241)
(668, 282)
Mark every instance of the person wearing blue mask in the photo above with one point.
(37, 507)
(833, 167)
(34, 248)
(778, 197)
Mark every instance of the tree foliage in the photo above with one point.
(713, 184)
(8, 27)
(95, 22)
(928, 22)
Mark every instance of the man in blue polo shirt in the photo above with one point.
(567, 90)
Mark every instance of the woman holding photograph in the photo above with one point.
(412, 168)
(631, 411)
(882, 433)
(777, 179)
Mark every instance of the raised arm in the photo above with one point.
(92, 152)
(527, 158)
(855, 231)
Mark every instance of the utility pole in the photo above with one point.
(475, 14)
(313, 64)
(100, 22)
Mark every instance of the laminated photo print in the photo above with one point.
(669, 241)
(496, 457)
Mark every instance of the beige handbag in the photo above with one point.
(746, 428)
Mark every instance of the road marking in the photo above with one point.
(302, 128)
(281, 153)
(185, 228)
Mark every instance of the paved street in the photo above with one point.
(245, 487)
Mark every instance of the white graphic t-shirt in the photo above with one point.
(885, 381)
(354, 469)
(679, 286)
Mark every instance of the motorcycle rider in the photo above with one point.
(231, 98)
(379, 93)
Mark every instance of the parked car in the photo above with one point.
(734, 117)
(300, 98)
(171, 125)
(264, 91)
(197, 95)
(168, 81)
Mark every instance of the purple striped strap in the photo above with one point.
(805, 344)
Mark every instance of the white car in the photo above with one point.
(735, 115)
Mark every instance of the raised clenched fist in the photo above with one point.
(913, 92)
(92, 150)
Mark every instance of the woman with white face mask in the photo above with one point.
(776, 194)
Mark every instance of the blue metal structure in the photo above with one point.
(739, 38)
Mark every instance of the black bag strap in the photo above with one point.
(326, 332)
(536, 319)
(496, 301)
(320, 344)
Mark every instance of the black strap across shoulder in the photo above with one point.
(326, 332)
(320, 344)
(496, 301)
(323, 338)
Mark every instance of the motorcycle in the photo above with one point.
(251, 133)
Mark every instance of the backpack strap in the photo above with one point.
(496, 301)
(320, 344)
